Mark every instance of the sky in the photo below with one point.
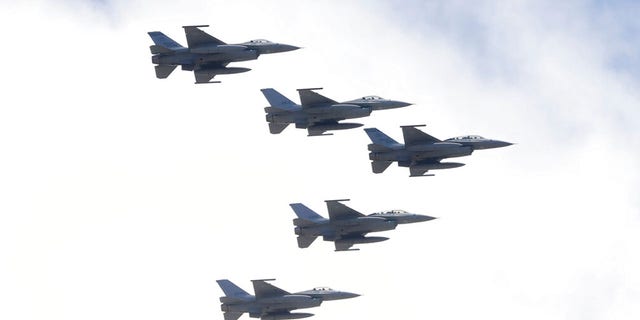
(125, 196)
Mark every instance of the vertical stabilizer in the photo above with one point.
(163, 42)
(231, 290)
(279, 101)
(380, 139)
(303, 212)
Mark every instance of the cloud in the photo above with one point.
(127, 196)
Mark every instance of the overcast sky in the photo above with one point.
(123, 196)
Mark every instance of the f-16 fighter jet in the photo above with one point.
(422, 152)
(271, 302)
(345, 226)
(206, 55)
(317, 113)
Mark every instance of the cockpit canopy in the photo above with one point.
(371, 98)
(472, 137)
(259, 41)
(322, 289)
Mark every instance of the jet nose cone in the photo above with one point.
(421, 218)
(348, 295)
(500, 144)
(390, 104)
(286, 47)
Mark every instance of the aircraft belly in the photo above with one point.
(369, 226)
(226, 57)
(444, 153)
(289, 302)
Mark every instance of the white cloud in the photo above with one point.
(127, 196)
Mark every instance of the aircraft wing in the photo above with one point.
(204, 77)
(338, 211)
(414, 172)
(413, 136)
(197, 37)
(343, 246)
(310, 98)
(263, 289)
(346, 241)
(204, 73)
(319, 128)
(232, 315)
(284, 314)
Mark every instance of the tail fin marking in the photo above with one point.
(381, 139)
(162, 41)
(231, 290)
(279, 101)
(303, 212)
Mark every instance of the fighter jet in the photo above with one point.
(271, 302)
(206, 55)
(422, 152)
(345, 226)
(317, 113)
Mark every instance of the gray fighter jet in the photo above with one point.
(317, 113)
(422, 152)
(345, 226)
(271, 302)
(206, 55)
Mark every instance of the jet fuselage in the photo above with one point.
(333, 229)
(265, 305)
(189, 58)
(319, 114)
(416, 154)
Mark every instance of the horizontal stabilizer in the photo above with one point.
(232, 315)
(305, 241)
(276, 128)
(163, 70)
(380, 166)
